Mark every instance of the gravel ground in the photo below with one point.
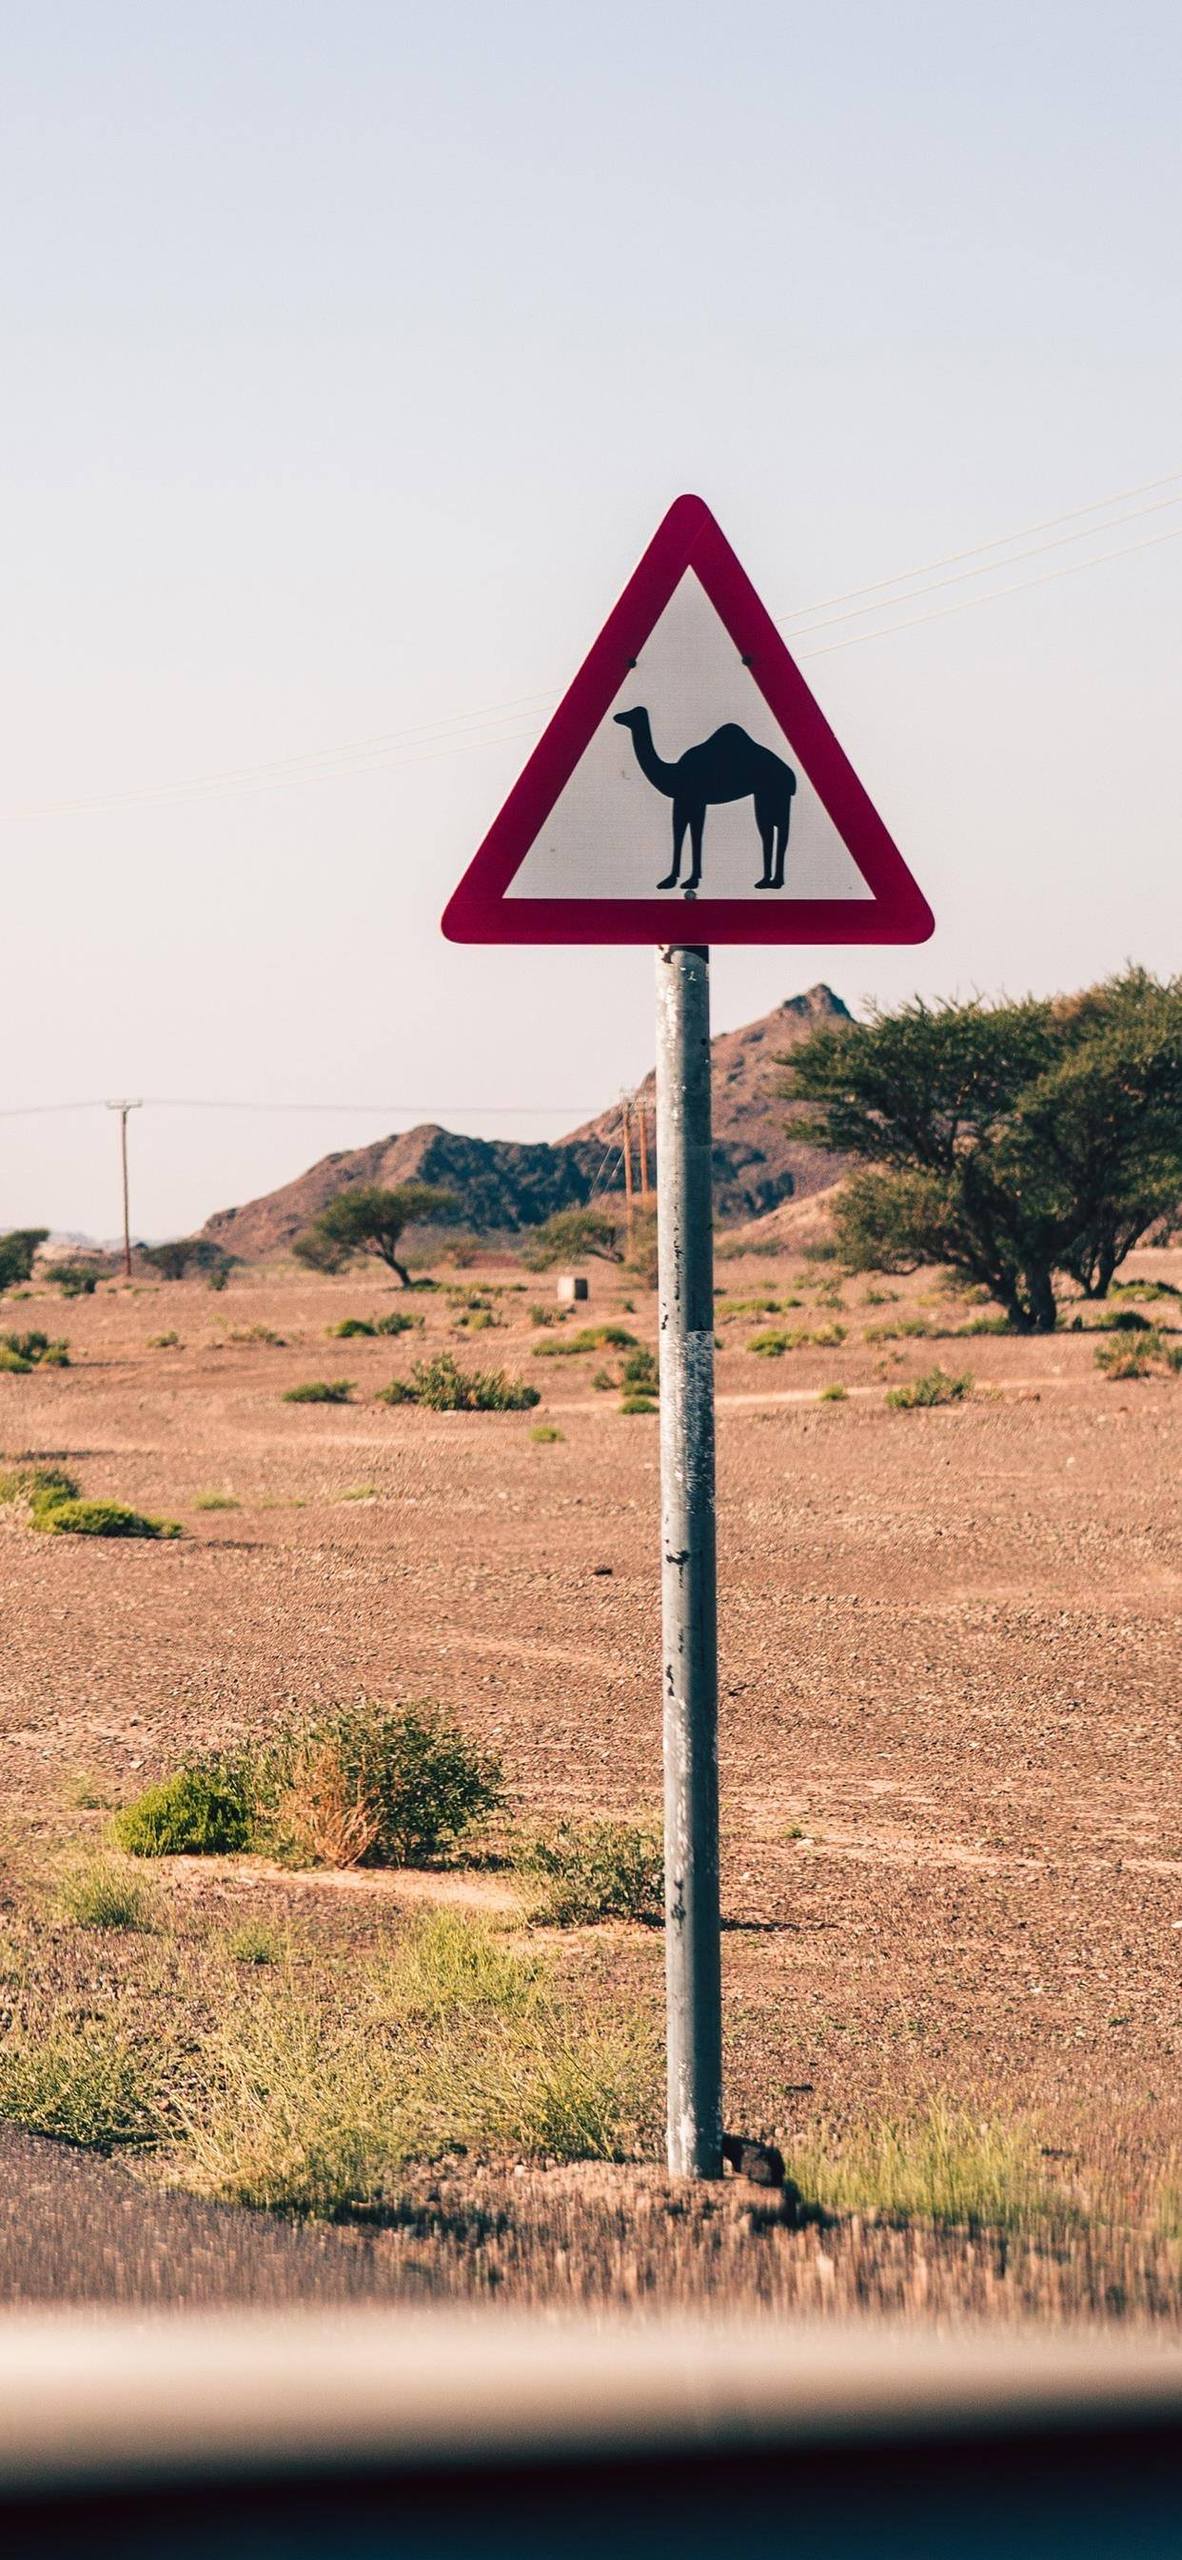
(950, 1721)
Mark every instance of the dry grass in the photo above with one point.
(322, 1810)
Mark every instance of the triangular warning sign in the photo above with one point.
(688, 789)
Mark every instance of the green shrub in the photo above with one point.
(37, 1485)
(597, 1871)
(164, 1342)
(80, 2083)
(935, 1388)
(256, 1942)
(770, 1344)
(216, 1502)
(833, 1395)
(348, 1327)
(80, 1519)
(11, 1362)
(415, 1784)
(1138, 1358)
(590, 1337)
(397, 1321)
(641, 1376)
(74, 1279)
(206, 1808)
(104, 1893)
(34, 1351)
(638, 1404)
(445, 1388)
(320, 1391)
(545, 1433)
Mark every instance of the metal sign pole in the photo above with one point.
(688, 1594)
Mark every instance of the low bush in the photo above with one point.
(443, 1387)
(216, 1502)
(206, 1808)
(834, 1395)
(83, 2083)
(105, 1893)
(399, 1391)
(349, 1326)
(74, 1279)
(641, 1376)
(79, 1519)
(36, 1350)
(256, 1942)
(935, 1388)
(544, 1434)
(164, 1342)
(36, 1485)
(1143, 1356)
(320, 1391)
(590, 1337)
(770, 1344)
(638, 1404)
(591, 1871)
(379, 1786)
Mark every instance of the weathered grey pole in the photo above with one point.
(688, 1599)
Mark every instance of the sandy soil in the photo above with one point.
(951, 1738)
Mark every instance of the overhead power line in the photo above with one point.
(502, 723)
(363, 1110)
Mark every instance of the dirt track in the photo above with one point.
(950, 1744)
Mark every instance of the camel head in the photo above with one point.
(632, 719)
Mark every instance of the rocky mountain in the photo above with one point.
(758, 1162)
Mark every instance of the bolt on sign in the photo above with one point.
(688, 788)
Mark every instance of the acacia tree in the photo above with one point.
(1014, 1141)
(365, 1219)
(569, 1235)
(17, 1251)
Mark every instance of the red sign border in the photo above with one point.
(479, 911)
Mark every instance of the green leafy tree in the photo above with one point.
(366, 1219)
(17, 1251)
(569, 1236)
(1013, 1141)
(186, 1253)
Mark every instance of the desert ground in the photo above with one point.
(951, 1744)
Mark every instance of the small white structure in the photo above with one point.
(571, 1287)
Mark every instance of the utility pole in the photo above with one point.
(628, 1170)
(123, 1108)
(642, 1114)
(693, 1968)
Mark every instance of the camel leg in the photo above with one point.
(696, 827)
(765, 837)
(781, 850)
(679, 826)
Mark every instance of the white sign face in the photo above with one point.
(612, 830)
(688, 789)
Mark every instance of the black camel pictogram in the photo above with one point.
(728, 766)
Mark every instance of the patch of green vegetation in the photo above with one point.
(443, 1387)
(105, 1893)
(641, 1375)
(215, 1501)
(348, 1327)
(1146, 1355)
(544, 1434)
(206, 1808)
(69, 1519)
(823, 1337)
(256, 1942)
(36, 1485)
(320, 1391)
(901, 1329)
(638, 1404)
(79, 2082)
(590, 1337)
(360, 1493)
(1145, 1289)
(834, 1394)
(934, 1388)
(940, 2166)
(165, 1342)
(590, 1871)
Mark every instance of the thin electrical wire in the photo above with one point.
(1070, 569)
(998, 542)
(989, 568)
(428, 739)
(363, 1110)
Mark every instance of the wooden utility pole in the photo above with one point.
(689, 1609)
(628, 1170)
(642, 1114)
(123, 1108)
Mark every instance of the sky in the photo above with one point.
(352, 353)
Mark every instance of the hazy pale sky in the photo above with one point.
(351, 355)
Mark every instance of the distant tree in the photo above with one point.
(187, 1253)
(17, 1251)
(368, 1220)
(569, 1236)
(1013, 1141)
